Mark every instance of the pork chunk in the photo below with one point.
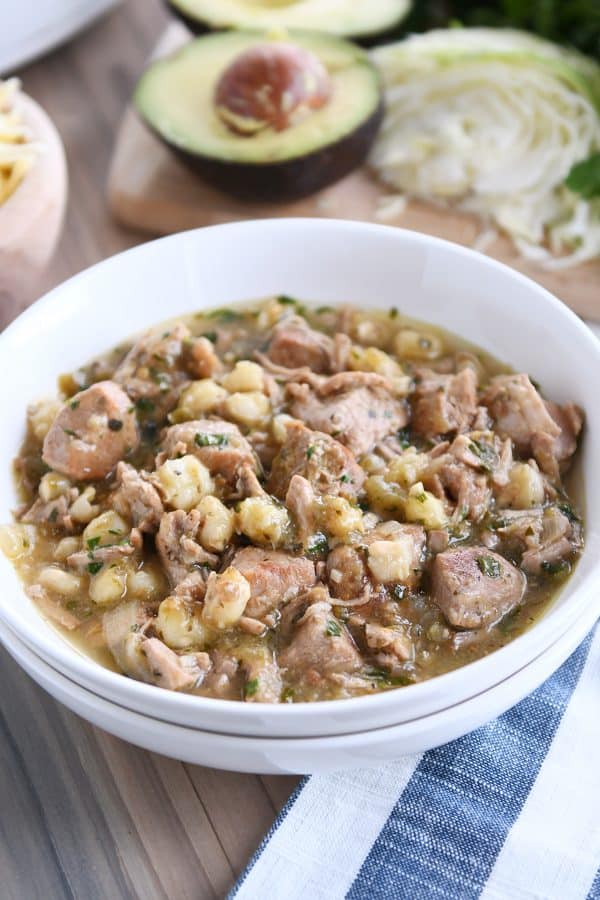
(136, 499)
(178, 547)
(263, 678)
(219, 445)
(171, 671)
(444, 404)
(320, 643)
(295, 344)
(93, 431)
(324, 462)
(475, 587)
(152, 370)
(274, 577)
(357, 408)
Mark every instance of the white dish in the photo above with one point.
(299, 756)
(329, 262)
(28, 33)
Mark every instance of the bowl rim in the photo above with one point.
(69, 659)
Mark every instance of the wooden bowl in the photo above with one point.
(31, 219)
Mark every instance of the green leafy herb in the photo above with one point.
(321, 310)
(568, 511)
(486, 454)
(251, 687)
(310, 452)
(92, 543)
(393, 313)
(385, 678)
(287, 695)
(584, 177)
(318, 544)
(561, 567)
(135, 627)
(421, 497)
(211, 336)
(115, 424)
(489, 566)
(94, 567)
(74, 404)
(333, 629)
(286, 301)
(344, 478)
(404, 438)
(211, 440)
(70, 432)
(224, 315)
(144, 405)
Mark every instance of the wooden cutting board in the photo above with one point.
(149, 189)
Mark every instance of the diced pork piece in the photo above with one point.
(320, 643)
(543, 428)
(263, 678)
(357, 408)
(475, 587)
(438, 540)
(173, 672)
(192, 589)
(274, 577)
(248, 484)
(300, 501)
(219, 445)
(106, 555)
(91, 433)
(52, 608)
(324, 462)
(200, 357)
(152, 372)
(393, 647)
(295, 344)
(224, 679)
(177, 545)
(485, 452)
(136, 499)
(444, 404)
(53, 512)
(554, 542)
(554, 454)
(124, 628)
(347, 574)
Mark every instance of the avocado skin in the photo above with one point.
(290, 180)
(199, 28)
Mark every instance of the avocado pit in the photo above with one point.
(272, 85)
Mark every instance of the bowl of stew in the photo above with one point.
(297, 478)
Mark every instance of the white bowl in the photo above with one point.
(278, 756)
(328, 262)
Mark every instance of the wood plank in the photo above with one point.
(149, 189)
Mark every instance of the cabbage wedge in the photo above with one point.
(492, 122)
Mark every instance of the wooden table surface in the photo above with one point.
(84, 815)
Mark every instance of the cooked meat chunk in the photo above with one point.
(274, 578)
(484, 452)
(443, 404)
(320, 643)
(151, 370)
(347, 573)
(475, 587)
(219, 445)
(173, 672)
(136, 499)
(124, 628)
(324, 462)
(544, 536)
(394, 642)
(545, 429)
(224, 679)
(52, 607)
(357, 408)
(295, 344)
(177, 545)
(300, 501)
(91, 433)
(54, 512)
(200, 357)
(106, 555)
(263, 678)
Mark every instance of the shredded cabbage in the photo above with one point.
(492, 122)
(17, 153)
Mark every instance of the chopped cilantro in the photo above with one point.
(251, 687)
(421, 497)
(393, 313)
(115, 424)
(318, 544)
(562, 566)
(333, 629)
(489, 566)
(286, 301)
(93, 543)
(345, 478)
(211, 440)
(211, 336)
(486, 455)
(310, 452)
(74, 404)
(94, 567)
(404, 438)
(70, 432)
(224, 315)
(144, 405)
(568, 511)
(321, 310)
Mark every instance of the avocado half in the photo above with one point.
(175, 97)
(365, 21)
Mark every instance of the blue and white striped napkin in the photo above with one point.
(509, 812)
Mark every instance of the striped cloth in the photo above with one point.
(509, 812)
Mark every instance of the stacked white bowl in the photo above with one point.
(326, 262)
